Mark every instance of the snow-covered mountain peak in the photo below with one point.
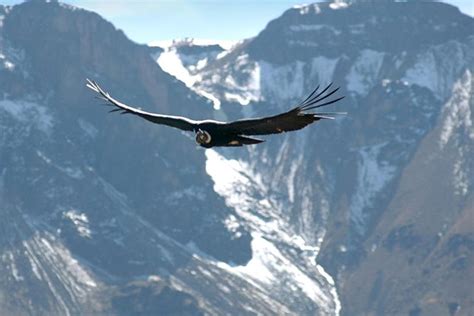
(320, 28)
(189, 41)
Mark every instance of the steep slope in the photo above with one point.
(93, 200)
(341, 185)
(111, 214)
(185, 58)
(424, 239)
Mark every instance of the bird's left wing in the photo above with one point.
(292, 120)
(173, 121)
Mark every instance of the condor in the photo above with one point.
(211, 133)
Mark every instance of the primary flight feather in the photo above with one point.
(211, 133)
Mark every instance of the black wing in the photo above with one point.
(173, 121)
(292, 120)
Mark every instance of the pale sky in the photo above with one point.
(147, 20)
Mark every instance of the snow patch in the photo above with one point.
(458, 111)
(372, 176)
(9, 56)
(457, 115)
(302, 43)
(216, 103)
(171, 62)
(314, 27)
(338, 4)
(364, 72)
(53, 263)
(81, 222)
(9, 257)
(268, 263)
(270, 267)
(306, 8)
(194, 193)
(153, 278)
(28, 112)
(73, 172)
(61, 255)
(233, 225)
(88, 128)
(256, 269)
(245, 90)
(322, 69)
(282, 83)
(461, 180)
(291, 178)
(165, 44)
(260, 80)
(438, 68)
(33, 263)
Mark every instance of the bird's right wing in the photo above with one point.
(295, 119)
(173, 121)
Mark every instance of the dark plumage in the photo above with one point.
(211, 133)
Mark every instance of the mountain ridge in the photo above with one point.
(323, 221)
(409, 93)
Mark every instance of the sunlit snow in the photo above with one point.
(438, 68)
(52, 262)
(338, 4)
(306, 8)
(80, 221)
(171, 62)
(458, 110)
(458, 120)
(235, 181)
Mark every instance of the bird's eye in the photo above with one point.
(203, 137)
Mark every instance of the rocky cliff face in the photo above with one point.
(387, 191)
(93, 201)
(108, 214)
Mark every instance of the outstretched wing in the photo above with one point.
(173, 121)
(292, 120)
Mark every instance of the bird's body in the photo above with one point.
(210, 133)
(213, 134)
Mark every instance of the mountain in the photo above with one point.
(385, 194)
(193, 54)
(370, 214)
(106, 214)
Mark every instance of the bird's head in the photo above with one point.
(203, 137)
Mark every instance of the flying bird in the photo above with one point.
(210, 133)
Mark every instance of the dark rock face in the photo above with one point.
(93, 199)
(331, 29)
(146, 299)
(61, 47)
